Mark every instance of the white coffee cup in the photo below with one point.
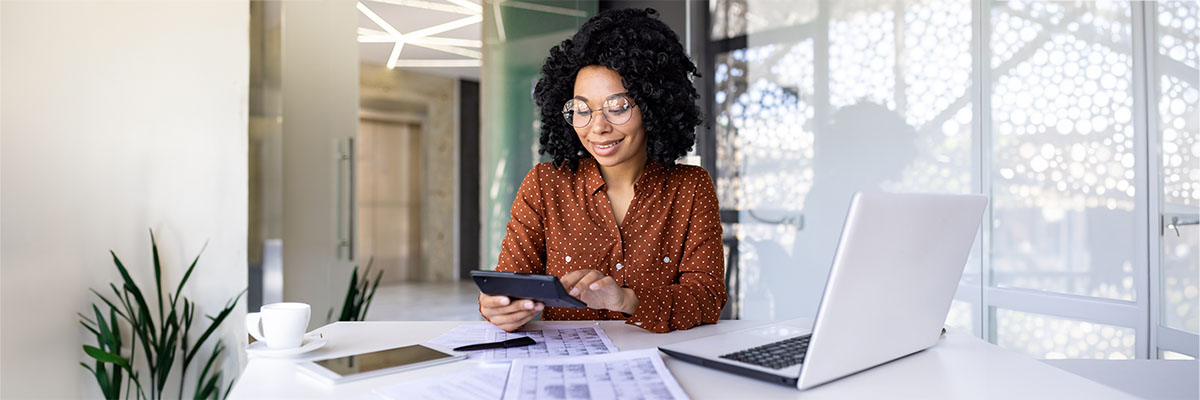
(281, 325)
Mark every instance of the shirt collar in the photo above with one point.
(591, 175)
(652, 176)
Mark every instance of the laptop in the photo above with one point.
(895, 271)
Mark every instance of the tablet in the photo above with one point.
(376, 363)
(544, 288)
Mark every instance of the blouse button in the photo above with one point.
(666, 259)
(568, 258)
(619, 266)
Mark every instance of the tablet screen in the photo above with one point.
(382, 359)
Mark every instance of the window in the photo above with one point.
(1045, 106)
(1175, 71)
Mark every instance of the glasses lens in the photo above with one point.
(577, 113)
(618, 109)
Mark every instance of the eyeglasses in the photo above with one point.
(616, 110)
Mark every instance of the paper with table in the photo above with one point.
(552, 341)
(638, 374)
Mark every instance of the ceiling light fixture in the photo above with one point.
(449, 41)
(379, 20)
(460, 8)
(499, 21)
(418, 38)
(395, 56)
(422, 41)
(411, 63)
(450, 49)
(449, 26)
(399, 38)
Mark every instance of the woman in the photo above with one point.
(624, 228)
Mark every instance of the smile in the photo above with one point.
(608, 146)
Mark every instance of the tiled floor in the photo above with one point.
(450, 301)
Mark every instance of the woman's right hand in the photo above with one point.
(507, 314)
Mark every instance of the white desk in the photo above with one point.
(960, 367)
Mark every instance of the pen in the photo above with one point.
(518, 342)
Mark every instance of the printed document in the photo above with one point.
(485, 381)
(552, 341)
(638, 374)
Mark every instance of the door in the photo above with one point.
(389, 184)
(319, 90)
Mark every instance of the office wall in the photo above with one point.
(116, 117)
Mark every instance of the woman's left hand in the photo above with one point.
(599, 291)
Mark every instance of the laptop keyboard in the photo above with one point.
(777, 355)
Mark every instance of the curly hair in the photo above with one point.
(653, 66)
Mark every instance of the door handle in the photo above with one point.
(1176, 221)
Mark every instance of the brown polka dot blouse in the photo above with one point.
(668, 249)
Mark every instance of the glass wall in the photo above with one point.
(1068, 216)
(1176, 74)
(1053, 109)
(517, 38)
(826, 99)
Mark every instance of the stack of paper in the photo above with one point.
(568, 362)
(638, 374)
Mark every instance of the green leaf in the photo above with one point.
(209, 388)
(348, 304)
(116, 383)
(115, 328)
(110, 304)
(206, 386)
(157, 274)
(132, 289)
(228, 388)
(105, 334)
(188, 274)
(101, 380)
(370, 297)
(101, 374)
(104, 356)
(126, 307)
(216, 321)
(94, 332)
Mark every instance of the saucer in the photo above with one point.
(260, 348)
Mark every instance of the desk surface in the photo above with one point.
(959, 367)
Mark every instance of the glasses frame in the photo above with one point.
(568, 109)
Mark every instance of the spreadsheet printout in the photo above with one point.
(638, 374)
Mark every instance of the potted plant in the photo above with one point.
(358, 295)
(163, 337)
